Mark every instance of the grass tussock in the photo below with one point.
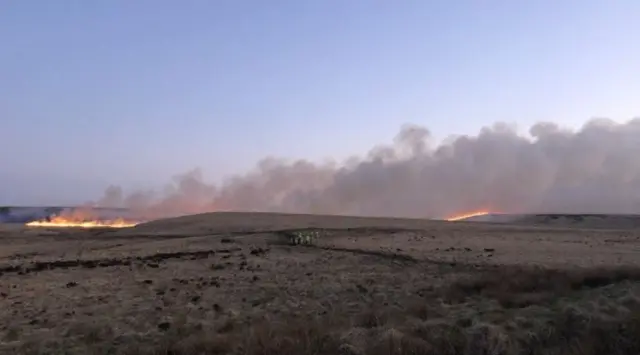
(497, 312)
(569, 332)
(522, 287)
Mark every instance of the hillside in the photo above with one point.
(587, 221)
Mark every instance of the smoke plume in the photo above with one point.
(595, 169)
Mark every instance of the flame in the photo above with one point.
(467, 215)
(81, 218)
(60, 221)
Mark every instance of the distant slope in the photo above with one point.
(558, 220)
(493, 217)
(222, 222)
(587, 221)
(10, 214)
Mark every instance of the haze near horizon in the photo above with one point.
(124, 95)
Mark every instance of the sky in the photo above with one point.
(127, 92)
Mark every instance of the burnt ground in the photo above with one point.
(230, 284)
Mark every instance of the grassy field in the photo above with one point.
(229, 283)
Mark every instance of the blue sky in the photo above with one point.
(133, 92)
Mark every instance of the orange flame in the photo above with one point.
(468, 215)
(81, 218)
(59, 221)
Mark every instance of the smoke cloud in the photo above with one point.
(595, 169)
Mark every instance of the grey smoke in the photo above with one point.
(595, 169)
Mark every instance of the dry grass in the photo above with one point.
(380, 289)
